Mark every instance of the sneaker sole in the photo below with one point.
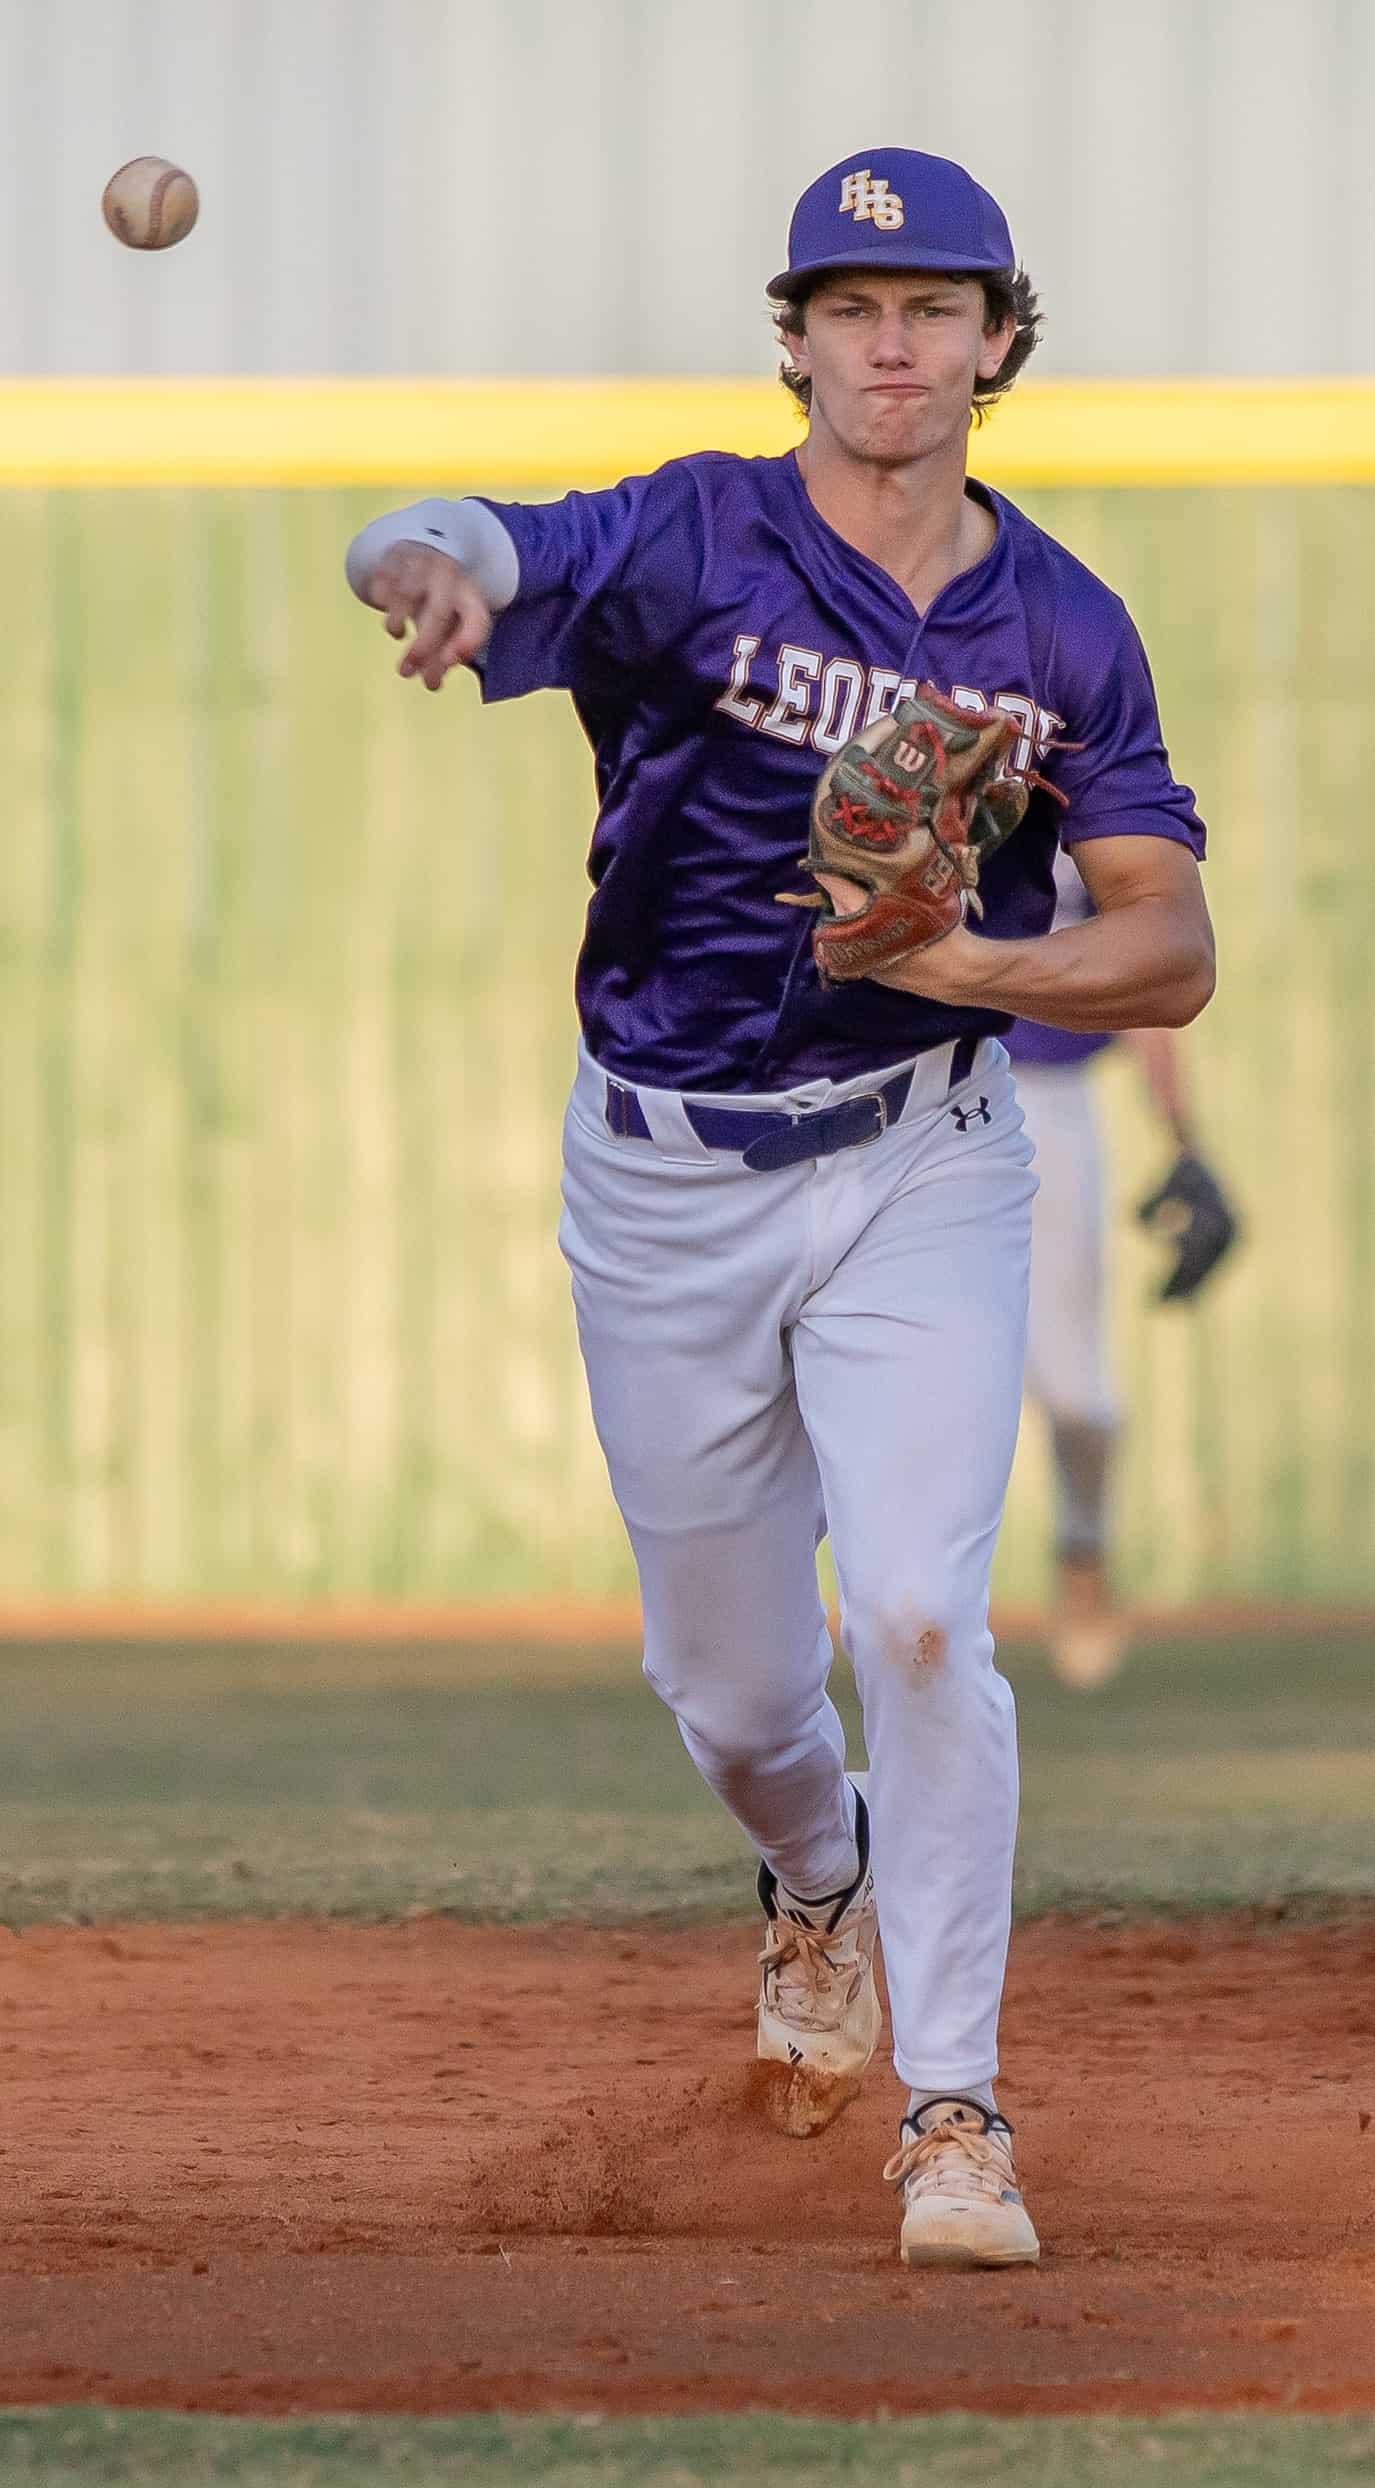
(968, 2241)
(964, 2259)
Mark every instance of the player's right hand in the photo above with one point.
(418, 587)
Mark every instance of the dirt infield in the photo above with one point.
(436, 2168)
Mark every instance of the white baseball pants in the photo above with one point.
(1068, 1371)
(837, 1347)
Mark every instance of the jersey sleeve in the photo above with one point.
(608, 582)
(1119, 781)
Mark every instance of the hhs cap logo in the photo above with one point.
(890, 207)
(862, 197)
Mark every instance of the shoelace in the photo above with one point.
(787, 1942)
(962, 2161)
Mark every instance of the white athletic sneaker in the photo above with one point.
(819, 2014)
(960, 2199)
(1088, 1633)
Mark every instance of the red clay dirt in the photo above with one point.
(435, 2168)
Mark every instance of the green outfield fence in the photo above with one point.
(285, 957)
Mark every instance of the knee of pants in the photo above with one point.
(736, 1721)
(915, 1642)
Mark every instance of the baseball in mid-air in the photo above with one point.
(149, 204)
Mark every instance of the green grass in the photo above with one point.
(253, 1783)
(79, 2448)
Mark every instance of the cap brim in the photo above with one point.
(940, 263)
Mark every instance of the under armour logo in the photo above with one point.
(965, 1115)
(870, 201)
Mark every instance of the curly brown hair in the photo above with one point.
(1008, 294)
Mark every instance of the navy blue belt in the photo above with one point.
(781, 1137)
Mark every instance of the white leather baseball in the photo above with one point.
(149, 204)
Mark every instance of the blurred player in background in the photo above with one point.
(797, 1207)
(1069, 1376)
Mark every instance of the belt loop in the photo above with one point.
(618, 1109)
(962, 1059)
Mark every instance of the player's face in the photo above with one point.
(894, 360)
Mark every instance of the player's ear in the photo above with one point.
(994, 349)
(795, 346)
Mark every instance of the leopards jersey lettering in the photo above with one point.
(719, 641)
(733, 703)
(798, 669)
(837, 716)
(818, 697)
(885, 691)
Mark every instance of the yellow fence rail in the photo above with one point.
(544, 433)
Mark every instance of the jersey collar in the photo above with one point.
(960, 597)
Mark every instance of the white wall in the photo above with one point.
(583, 185)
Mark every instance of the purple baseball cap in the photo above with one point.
(889, 207)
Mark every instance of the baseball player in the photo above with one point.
(797, 1189)
(1068, 1368)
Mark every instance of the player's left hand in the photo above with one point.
(902, 817)
(941, 971)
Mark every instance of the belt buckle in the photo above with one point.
(862, 1097)
(877, 1098)
(764, 1153)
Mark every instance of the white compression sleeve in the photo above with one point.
(468, 530)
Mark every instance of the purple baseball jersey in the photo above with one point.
(1028, 1040)
(719, 641)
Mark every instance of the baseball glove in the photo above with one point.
(1191, 1210)
(909, 809)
